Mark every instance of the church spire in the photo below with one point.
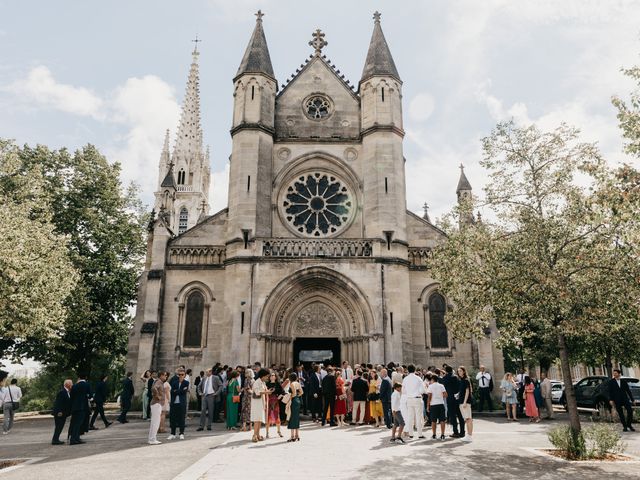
(256, 57)
(164, 156)
(463, 183)
(189, 136)
(379, 60)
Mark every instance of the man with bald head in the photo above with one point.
(61, 410)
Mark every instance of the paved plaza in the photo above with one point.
(499, 450)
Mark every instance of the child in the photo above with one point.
(435, 406)
(398, 421)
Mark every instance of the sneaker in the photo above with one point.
(467, 438)
(155, 442)
(182, 436)
(421, 436)
(442, 437)
(171, 437)
(393, 439)
(455, 435)
(7, 433)
(401, 440)
(200, 429)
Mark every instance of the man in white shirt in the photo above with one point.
(398, 421)
(208, 398)
(347, 372)
(413, 388)
(396, 377)
(8, 397)
(435, 406)
(484, 385)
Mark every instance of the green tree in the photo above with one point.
(559, 253)
(36, 274)
(629, 114)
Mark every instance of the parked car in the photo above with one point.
(557, 389)
(593, 392)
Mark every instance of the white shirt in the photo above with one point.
(16, 394)
(520, 378)
(396, 377)
(412, 386)
(347, 374)
(208, 388)
(323, 373)
(483, 379)
(436, 390)
(395, 401)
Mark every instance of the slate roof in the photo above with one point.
(379, 60)
(256, 58)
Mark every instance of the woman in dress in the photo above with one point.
(245, 415)
(145, 391)
(295, 394)
(259, 394)
(340, 409)
(375, 404)
(167, 404)
(273, 405)
(464, 398)
(233, 390)
(530, 408)
(509, 396)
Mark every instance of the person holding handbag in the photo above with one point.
(259, 394)
(233, 400)
(375, 404)
(341, 399)
(11, 396)
(293, 406)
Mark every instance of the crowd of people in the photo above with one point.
(404, 399)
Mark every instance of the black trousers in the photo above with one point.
(386, 408)
(59, 426)
(177, 412)
(316, 406)
(125, 406)
(329, 406)
(455, 416)
(98, 410)
(76, 425)
(485, 396)
(619, 408)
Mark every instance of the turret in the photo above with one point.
(465, 199)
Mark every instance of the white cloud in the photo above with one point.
(41, 88)
(219, 191)
(421, 107)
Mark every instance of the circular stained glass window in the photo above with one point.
(317, 107)
(317, 204)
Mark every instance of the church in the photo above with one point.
(316, 257)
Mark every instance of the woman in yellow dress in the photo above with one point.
(375, 404)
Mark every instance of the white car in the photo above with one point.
(557, 388)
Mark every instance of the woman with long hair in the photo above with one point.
(295, 395)
(340, 409)
(167, 404)
(509, 396)
(233, 400)
(273, 402)
(375, 404)
(145, 390)
(245, 414)
(530, 408)
(464, 399)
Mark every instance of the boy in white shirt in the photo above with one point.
(435, 406)
(398, 421)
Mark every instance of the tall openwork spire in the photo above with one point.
(189, 136)
(165, 157)
(379, 60)
(256, 57)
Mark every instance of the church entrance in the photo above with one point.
(318, 350)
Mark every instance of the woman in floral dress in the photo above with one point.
(340, 409)
(245, 413)
(273, 406)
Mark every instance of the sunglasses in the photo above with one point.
(181, 374)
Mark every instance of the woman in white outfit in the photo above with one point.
(259, 393)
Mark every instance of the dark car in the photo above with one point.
(593, 392)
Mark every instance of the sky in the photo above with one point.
(113, 74)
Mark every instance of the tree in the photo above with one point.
(559, 253)
(629, 114)
(36, 274)
(105, 229)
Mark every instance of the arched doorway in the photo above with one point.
(315, 313)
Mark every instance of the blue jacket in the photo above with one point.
(386, 390)
(179, 390)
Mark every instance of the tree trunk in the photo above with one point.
(608, 364)
(545, 364)
(572, 405)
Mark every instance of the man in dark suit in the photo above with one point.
(99, 397)
(329, 396)
(178, 406)
(620, 397)
(360, 390)
(152, 378)
(61, 410)
(125, 397)
(385, 396)
(80, 394)
(452, 386)
(315, 393)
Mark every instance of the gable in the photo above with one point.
(317, 78)
(421, 233)
(211, 231)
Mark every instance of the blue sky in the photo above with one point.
(113, 73)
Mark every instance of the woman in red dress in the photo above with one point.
(273, 407)
(530, 407)
(341, 399)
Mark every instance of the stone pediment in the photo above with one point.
(421, 233)
(210, 231)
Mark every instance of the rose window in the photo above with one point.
(317, 107)
(317, 204)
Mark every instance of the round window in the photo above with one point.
(317, 107)
(317, 204)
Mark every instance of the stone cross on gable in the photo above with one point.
(318, 42)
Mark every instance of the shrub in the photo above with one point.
(594, 442)
(570, 444)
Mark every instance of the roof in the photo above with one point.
(463, 183)
(379, 60)
(169, 179)
(256, 57)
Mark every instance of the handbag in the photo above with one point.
(15, 405)
(373, 397)
(235, 398)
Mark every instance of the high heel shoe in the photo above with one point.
(297, 439)
(254, 439)
(280, 434)
(291, 440)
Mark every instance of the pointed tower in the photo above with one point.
(381, 109)
(190, 169)
(464, 194)
(252, 142)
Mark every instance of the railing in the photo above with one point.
(197, 255)
(185, 188)
(316, 248)
(419, 257)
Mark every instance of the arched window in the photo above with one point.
(437, 326)
(181, 177)
(182, 220)
(193, 321)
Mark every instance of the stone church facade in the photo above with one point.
(316, 256)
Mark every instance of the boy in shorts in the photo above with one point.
(398, 421)
(435, 406)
